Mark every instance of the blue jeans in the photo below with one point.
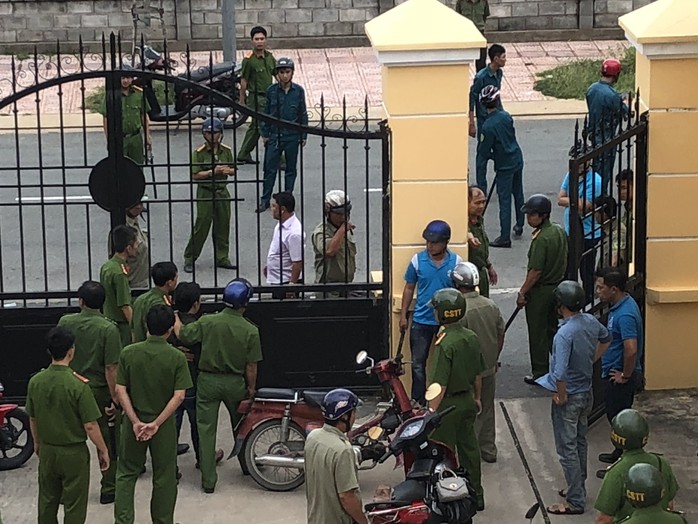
(188, 405)
(272, 155)
(421, 337)
(510, 183)
(570, 424)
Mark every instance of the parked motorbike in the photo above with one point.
(435, 489)
(16, 442)
(270, 437)
(190, 102)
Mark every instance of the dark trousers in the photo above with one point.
(188, 406)
(421, 337)
(272, 155)
(509, 183)
(481, 62)
(618, 397)
(587, 268)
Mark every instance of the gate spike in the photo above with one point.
(322, 110)
(366, 115)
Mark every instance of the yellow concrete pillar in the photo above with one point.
(425, 50)
(665, 34)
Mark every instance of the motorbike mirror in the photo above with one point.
(375, 433)
(532, 511)
(433, 391)
(361, 357)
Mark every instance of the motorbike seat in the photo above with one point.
(198, 74)
(276, 394)
(386, 504)
(314, 398)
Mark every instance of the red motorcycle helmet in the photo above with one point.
(611, 67)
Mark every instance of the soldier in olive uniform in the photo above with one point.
(138, 265)
(547, 261)
(478, 242)
(150, 384)
(97, 349)
(477, 11)
(134, 118)
(630, 433)
(644, 489)
(211, 164)
(114, 277)
(63, 413)
(457, 369)
(257, 74)
(164, 276)
(230, 351)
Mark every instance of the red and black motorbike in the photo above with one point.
(16, 442)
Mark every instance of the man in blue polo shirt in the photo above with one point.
(621, 364)
(589, 187)
(427, 272)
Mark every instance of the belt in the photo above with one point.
(220, 373)
(458, 393)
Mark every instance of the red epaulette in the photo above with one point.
(80, 377)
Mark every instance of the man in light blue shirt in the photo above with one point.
(589, 187)
(580, 339)
(427, 272)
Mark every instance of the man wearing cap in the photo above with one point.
(333, 243)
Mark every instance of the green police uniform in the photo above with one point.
(475, 10)
(212, 205)
(611, 499)
(458, 362)
(339, 268)
(548, 254)
(228, 343)
(151, 371)
(141, 306)
(97, 345)
(133, 107)
(61, 403)
(114, 278)
(480, 256)
(138, 266)
(654, 515)
(259, 73)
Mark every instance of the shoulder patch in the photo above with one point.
(201, 148)
(167, 300)
(136, 88)
(224, 146)
(80, 377)
(124, 269)
(439, 338)
(249, 54)
(535, 233)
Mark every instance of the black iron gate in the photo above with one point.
(65, 182)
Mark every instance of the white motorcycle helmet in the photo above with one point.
(465, 274)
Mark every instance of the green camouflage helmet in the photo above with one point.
(644, 485)
(630, 430)
(449, 305)
(570, 294)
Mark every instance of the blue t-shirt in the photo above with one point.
(624, 322)
(429, 279)
(574, 347)
(590, 187)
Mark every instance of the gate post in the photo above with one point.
(425, 50)
(666, 38)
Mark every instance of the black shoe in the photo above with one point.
(188, 267)
(499, 242)
(481, 506)
(489, 460)
(106, 498)
(601, 474)
(226, 265)
(182, 449)
(208, 491)
(530, 380)
(263, 206)
(518, 231)
(608, 458)
(250, 161)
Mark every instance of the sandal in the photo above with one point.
(563, 509)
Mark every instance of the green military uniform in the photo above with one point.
(212, 205)
(259, 73)
(228, 343)
(133, 108)
(611, 499)
(339, 268)
(480, 256)
(97, 345)
(61, 403)
(138, 266)
(458, 362)
(141, 307)
(654, 515)
(475, 10)
(483, 317)
(114, 278)
(548, 254)
(151, 371)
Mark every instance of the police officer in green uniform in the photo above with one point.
(97, 349)
(211, 164)
(114, 277)
(644, 489)
(257, 74)
(63, 412)
(139, 265)
(150, 383)
(547, 261)
(134, 118)
(230, 351)
(478, 242)
(457, 369)
(164, 275)
(630, 433)
(477, 11)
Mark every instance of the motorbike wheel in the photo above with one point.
(16, 442)
(265, 439)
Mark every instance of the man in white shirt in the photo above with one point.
(285, 256)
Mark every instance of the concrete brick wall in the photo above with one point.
(300, 21)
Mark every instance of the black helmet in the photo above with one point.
(570, 294)
(449, 304)
(437, 231)
(630, 430)
(489, 95)
(285, 63)
(644, 485)
(539, 204)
